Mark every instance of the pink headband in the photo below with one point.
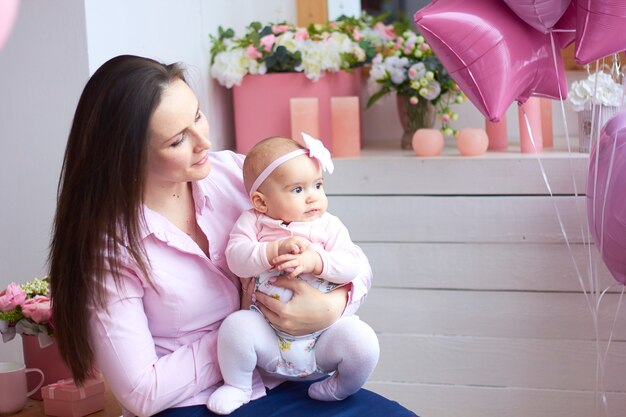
(314, 148)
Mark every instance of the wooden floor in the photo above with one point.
(479, 271)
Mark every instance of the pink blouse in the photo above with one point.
(156, 345)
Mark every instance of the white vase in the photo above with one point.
(590, 122)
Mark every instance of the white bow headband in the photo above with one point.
(313, 147)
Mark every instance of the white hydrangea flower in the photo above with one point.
(288, 40)
(342, 42)
(373, 36)
(396, 68)
(359, 54)
(318, 57)
(378, 70)
(230, 67)
(312, 60)
(255, 68)
(597, 89)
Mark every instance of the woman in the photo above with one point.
(139, 278)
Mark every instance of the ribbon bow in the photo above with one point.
(62, 383)
(318, 151)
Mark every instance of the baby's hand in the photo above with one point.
(307, 262)
(293, 245)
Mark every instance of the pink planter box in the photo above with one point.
(261, 103)
(64, 399)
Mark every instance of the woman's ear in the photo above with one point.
(258, 202)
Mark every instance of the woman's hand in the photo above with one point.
(308, 311)
(247, 290)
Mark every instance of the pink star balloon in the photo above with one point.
(565, 28)
(493, 55)
(599, 29)
(540, 14)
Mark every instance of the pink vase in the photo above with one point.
(47, 359)
(261, 103)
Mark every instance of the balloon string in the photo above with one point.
(584, 237)
(602, 358)
(617, 309)
(606, 191)
(584, 233)
(558, 213)
(593, 144)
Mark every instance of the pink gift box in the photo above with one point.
(262, 103)
(65, 399)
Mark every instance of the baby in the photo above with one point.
(288, 232)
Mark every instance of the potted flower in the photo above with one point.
(425, 91)
(595, 99)
(283, 47)
(26, 310)
(272, 63)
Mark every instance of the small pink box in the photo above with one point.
(65, 399)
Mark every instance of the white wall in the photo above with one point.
(42, 68)
(54, 47)
(172, 31)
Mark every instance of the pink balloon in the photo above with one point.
(540, 14)
(494, 56)
(599, 29)
(8, 13)
(565, 28)
(606, 206)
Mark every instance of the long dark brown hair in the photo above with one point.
(100, 195)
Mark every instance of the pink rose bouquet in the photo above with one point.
(26, 309)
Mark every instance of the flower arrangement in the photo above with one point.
(407, 65)
(597, 89)
(346, 43)
(26, 309)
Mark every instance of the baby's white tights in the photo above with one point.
(246, 340)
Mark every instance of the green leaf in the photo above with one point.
(229, 33)
(267, 30)
(375, 97)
